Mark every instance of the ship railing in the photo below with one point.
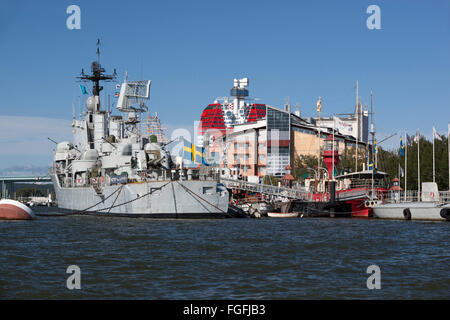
(444, 196)
(392, 196)
(364, 183)
(268, 190)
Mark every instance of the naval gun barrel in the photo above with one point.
(71, 145)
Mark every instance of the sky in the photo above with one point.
(192, 50)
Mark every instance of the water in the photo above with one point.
(223, 259)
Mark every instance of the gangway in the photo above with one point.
(268, 190)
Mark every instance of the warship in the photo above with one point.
(112, 168)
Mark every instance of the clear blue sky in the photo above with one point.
(193, 49)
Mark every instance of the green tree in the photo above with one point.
(30, 192)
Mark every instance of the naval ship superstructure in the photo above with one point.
(111, 168)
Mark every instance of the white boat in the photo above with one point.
(413, 211)
(428, 209)
(282, 215)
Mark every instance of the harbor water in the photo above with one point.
(140, 258)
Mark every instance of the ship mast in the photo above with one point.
(372, 132)
(97, 75)
(357, 128)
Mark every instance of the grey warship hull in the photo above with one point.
(154, 199)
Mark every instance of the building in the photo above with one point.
(256, 140)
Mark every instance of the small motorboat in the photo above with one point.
(283, 215)
(14, 210)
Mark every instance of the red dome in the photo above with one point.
(257, 111)
(212, 118)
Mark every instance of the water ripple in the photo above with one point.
(223, 259)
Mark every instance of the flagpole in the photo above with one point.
(332, 170)
(406, 163)
(448, 143)
(418, 165)
(434, 173)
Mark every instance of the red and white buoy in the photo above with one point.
(14, 210)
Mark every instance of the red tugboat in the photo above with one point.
(354, 188)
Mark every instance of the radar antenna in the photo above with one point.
(133, 93)
(97, 74)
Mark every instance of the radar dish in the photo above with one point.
(132, 95)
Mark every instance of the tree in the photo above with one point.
(30, 192)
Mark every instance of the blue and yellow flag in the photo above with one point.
(83, 89)
(191, 153)
(402, 148)
(375, 147)
(371, 165)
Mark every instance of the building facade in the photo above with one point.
(258, 140)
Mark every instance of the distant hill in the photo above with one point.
(27, 170)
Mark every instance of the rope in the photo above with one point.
(121, 187)
(188, 190)
(109, 208)
(103, 200)
(129, 201)
(82, 211)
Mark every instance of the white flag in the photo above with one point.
(402, 173)
(417, 137)
(436, 135)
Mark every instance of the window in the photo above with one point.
(262, 157)
(245, 146)
(245, 156)
(245, 168)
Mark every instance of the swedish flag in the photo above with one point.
(402, 148)
(191, 153)
(371, 165)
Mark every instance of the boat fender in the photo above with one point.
(445, 213)
(407, 214)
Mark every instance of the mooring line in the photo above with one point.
(187, 189)
(107, 208)
(82, 211)
(121, 187)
